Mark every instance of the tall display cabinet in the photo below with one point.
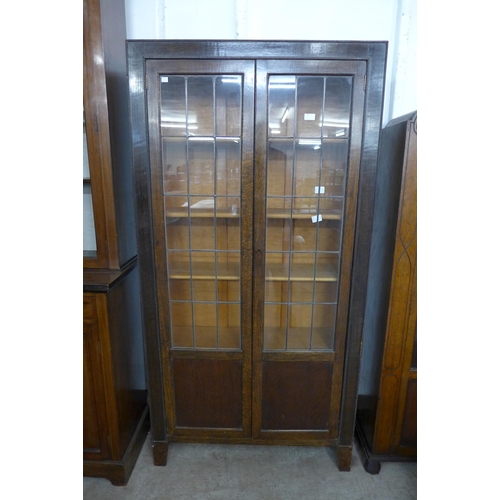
(114, 385)
(254, 166)
(386, 422)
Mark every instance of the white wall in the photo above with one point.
(391, 20)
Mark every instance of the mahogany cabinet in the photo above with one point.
(114, 386)
(254, 171)
(386, 421)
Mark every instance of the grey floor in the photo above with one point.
(234, 472)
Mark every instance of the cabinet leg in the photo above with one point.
(119, 482)
(344, 456)
(372, 466)
(160, 452)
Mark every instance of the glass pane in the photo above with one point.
(86, 167)
(338, 92)
(301, 291)
(179, 289)
(89, 239)
(228, 105)
(174, 166)
(280, 167)
(304, 235)
(228, 326)
(307, 167)
(202, 203)
(331, 208)
(299, 326)
(181, 324)
(179, 265)
(323, 328)
(200, 104)
(281, 105)
(177, 233)
(228, 207)
(309, 106)
(228, 266)
(329, 236)
(278, 235)
(201, 156)
(305, 190)
(205, 321)
(334, 166)
(173, 106)
(228, 224)
(228, 164)
(202, 231)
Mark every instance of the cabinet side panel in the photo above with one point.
(114, 36)
(390, 160)
(128, 354)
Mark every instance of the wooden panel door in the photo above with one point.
(308, 143)
(201, 145)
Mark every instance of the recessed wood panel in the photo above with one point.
(208, 393)
(409, 432)
(296, 395)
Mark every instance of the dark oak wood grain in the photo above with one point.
(114, 389)
(114, 385)
(105, 106)
(296, 395)
(269, 385)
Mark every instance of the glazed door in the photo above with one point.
(308, 143)
(201, 145)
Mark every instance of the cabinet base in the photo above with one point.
(119, 471)
(372, 462)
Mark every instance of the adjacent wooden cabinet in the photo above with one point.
(387, 411)
(114, 386)
(254, 166)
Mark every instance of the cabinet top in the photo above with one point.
(257, 49)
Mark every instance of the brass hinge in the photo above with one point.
(364, 83)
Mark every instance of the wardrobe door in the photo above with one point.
(200, 117)
(308, 141)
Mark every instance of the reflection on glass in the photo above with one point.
(201, 160)
(86, 167)
(307, 158)
(89, 239)
(228, 105)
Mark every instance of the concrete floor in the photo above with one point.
(234, 472)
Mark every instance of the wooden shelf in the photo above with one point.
(273, 213)
(231, 272)
(300, 272)
(204, 271)
(206, 337)
(306, 213)
(298, 338)
(204, 213)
